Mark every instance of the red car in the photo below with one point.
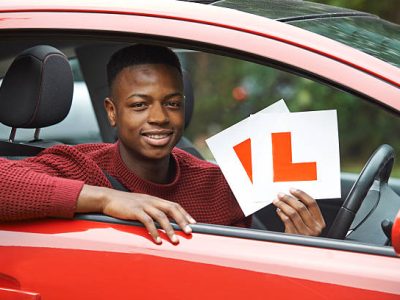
(241, 56)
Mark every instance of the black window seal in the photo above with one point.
(258, 235)
(326, 16)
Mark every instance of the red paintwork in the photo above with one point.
(104, 261)
(86, 260)
(17, 294)
(396, 234)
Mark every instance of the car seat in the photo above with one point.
(36, 92)
(184, 143)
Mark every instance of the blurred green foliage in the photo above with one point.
(363, 126)
(385, 9)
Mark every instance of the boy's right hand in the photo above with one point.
(134, 206)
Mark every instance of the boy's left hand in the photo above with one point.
(300, 213)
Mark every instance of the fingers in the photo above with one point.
(159, 210)
(310, 203)
(147, 210)
(302, 211)
(294, 211)
(148, 222)
(177, 213)
(289, 226)
(162, 219)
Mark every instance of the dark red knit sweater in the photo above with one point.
(49, 184)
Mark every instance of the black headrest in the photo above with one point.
(189, 97)
(37, 89)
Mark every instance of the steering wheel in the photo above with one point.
(378, 167)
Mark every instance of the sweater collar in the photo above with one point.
(132, 181)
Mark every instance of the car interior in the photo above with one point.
(348, 218)
(45, 100)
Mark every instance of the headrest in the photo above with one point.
(189, 97)
(37, 89)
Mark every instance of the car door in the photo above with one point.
(96, 259)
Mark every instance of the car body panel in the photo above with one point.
(396, 234)
(73, 250)
(16, 294)
(62, 259)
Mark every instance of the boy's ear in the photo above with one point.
(111, 111)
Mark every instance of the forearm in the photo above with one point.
(91, 199)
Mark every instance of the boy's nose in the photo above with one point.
(157, 114)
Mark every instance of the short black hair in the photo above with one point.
(140, 54)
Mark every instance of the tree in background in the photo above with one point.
(385, 9)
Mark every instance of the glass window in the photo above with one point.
(374, 36)
(359, 30)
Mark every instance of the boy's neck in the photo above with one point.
(160, 171)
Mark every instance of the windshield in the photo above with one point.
(370, 35)
(359, 30)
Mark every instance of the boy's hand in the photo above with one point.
(300, 213)
(133, 206)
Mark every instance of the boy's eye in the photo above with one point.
(174, 103)
(138, 105)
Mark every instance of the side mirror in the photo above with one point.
(396, 234)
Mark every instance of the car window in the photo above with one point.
(228, 90)
(374, 36)
(80, 126)
(281, 9)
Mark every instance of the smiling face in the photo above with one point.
(147, 108)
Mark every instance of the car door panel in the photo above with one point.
(117, 261)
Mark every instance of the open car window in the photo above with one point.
(227, 90)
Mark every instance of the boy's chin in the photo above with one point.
(157, 155)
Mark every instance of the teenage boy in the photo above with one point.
(146, 106)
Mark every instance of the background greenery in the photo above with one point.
(386, 9)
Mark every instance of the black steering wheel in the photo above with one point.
(378, 167)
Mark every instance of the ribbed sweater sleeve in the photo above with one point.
(48, 184)
(27, 193)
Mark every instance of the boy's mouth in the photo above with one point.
(157, 138)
